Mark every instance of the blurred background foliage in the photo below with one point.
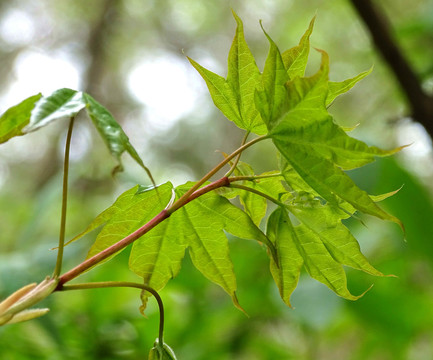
(130, 55)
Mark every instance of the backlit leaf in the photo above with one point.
(324, 221)
(290, 262)
(235, 96)
(299, 246)
(63, 103)
(338, 88)
(130, 211)
(198, 226)
(318, 150)
(16, 118)
(272, 100)
(295, 59)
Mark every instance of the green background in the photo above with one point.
(104, 40)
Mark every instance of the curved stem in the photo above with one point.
(253, 177)
(59, 261)
(184, 198)
(235, 163)
(191, 194)
(109, 284)
(257, 192)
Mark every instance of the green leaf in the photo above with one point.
(290, 262)
(161, 352)
(324, 221)
(306, 96)
(330, 181)
(16, 118)
(299, 246)
(112, 134)
(244, 77)
(235, 96)
(318, 150)
(130, 211)
(328, 140)
(272, 101)
(200, 226)
(254, 205)
(63, 103)
(338, 88)
(295, 59)
(223, 95)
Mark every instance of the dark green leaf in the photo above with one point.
(112, 134)
(63, 103)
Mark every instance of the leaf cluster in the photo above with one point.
(310, 191)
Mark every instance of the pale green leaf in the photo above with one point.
(286, 272)
(324, 221)
(295, 59)
(329, 181)
(161, 352)
(244, 77)
(124, 201)
(320, 264)
(338, 88)
(130, 211)
(223, 95)
(272, 100)
(306, 96)
(298, 246)
(235, 96)
(62, 103)
(200, 226)
(328, 140)
(254, 205)
(158, 255)
(16, 118)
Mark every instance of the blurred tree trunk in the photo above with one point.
(420, 103)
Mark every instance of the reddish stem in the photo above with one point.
(104, 254)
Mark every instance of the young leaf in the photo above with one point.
(63, 103)
(112, 134)
(235, 96)
(244, 77)
(272, 101)
(328, 140)
(295, 59)
(306, 96)
(286, 273)
(161, 352)
(317, 149)
(16, 118)
(338, 88)
(254, 205)
(130, 211)
(329, 181)
(324, 221)
(200, 226)
(298, 246)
